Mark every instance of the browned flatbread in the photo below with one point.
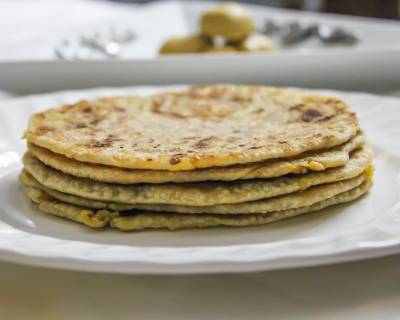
(216, 125)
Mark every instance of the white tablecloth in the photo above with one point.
(361, 290)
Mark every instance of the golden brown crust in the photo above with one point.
(201, 127)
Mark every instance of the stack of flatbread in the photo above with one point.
(217, 155)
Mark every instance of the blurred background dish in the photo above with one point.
(114, 43)
(137, 31)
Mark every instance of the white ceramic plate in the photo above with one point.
(366, 228)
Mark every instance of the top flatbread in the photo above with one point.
(217, 125)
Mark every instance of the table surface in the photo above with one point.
(367, 289)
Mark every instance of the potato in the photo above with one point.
(230, 20)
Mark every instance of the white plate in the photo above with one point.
(369, 227)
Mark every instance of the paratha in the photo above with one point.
(94, 219)
(303, 163)
(194, 194)
(285, 202)
(133, 221)
(201, 127)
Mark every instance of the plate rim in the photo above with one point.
(258, 262)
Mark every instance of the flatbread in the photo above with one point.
(323, 160)
(289, 201)
(28, 181)
(134, 221)
(201, 127)
(285, 202)
(194, 194)
(94, 219)
(177, 221)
